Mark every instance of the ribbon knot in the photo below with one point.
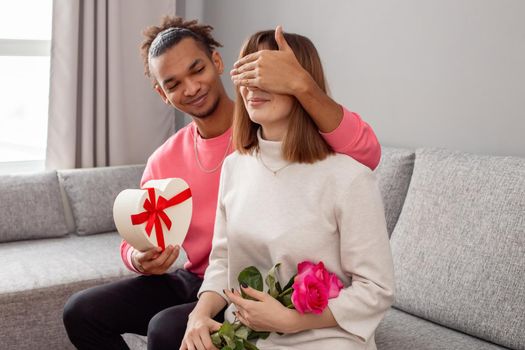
(154, 213)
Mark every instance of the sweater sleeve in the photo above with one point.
(365, 257)
(125, 248)
(125, 254)
(356, 139)
(216, 275)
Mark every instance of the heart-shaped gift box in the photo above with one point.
(157, 215)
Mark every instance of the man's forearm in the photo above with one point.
(325, 112)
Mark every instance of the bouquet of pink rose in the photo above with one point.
(308, 292)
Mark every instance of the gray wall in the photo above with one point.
(443, 73)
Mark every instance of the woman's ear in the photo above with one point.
(217, 61)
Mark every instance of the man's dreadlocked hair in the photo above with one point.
(189, 29)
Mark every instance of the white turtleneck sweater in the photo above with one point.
(329, 211)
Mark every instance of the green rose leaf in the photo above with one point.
(242, 332)
(257, 335)
(239, 344)
(286, 300)
(227, 330)
(285, 297)
(234, 336)
(278, 287)
(253, 278)
(272, 280)
(216, 340)
(290, 283)
(230, 341)
(249, 346)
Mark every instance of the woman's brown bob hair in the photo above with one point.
(302, 142)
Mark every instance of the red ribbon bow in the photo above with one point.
(155, 213)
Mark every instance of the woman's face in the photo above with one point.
(270, 110)
(266, 108)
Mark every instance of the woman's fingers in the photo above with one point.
(241, 311)
(215, 326)
(186, 345)
(197, 336)
(244, 321)
(237, 299)
(254, 293)
(239, 302)
(194, 340)
(199, 344)
(205, 340)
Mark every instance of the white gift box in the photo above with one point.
(157, 215)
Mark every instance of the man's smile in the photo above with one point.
(197, 101)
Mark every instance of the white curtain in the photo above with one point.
(102, 109)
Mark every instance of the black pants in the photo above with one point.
(156, 306)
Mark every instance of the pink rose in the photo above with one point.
(334, 285)
(313, 286)
(309, 295)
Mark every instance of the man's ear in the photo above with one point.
(217, 61)
(161, 93)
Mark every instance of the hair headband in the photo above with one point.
(165, 38)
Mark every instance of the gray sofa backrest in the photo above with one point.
(393, 175)
(91, 193)
(31, 207)
(459, 245)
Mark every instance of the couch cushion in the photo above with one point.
(393, 174)
(39, 276)
(31, 207)
(459, 244)
(91, 193)
(400, 330)
(45, 263)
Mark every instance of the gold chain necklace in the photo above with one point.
(201, 167)
(274, 171)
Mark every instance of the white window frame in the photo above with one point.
(23, 47)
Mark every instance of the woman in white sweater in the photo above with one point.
(285, 197)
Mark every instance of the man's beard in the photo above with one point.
(208, 112)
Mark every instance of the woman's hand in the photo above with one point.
(198, 332)
(155, 261)
(264, 314)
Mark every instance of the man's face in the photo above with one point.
(188, 78)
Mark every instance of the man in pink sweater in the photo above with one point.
(181, 59)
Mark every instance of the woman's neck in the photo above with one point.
(274, 132)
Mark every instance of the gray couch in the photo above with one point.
(457, 225)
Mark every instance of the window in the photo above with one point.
(25, 42)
